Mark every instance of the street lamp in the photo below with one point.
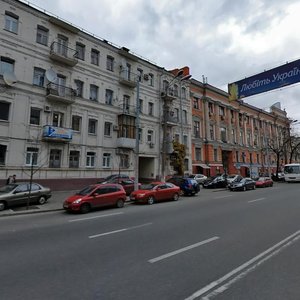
(137, 140)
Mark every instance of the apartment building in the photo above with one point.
(70, 102)
(233, 136)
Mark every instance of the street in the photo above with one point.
(216, 245)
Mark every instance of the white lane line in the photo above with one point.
(117, 231)
(95, 217)
(244, 268)
(220, 197)
(156, 259)
(255, 200)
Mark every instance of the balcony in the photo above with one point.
(63, 54)
(56, 134)
(170, 119)
(129, 110)
(123, 142)
(168, 94)
(60, 93)
(127, 78)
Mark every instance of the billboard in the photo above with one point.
(269, 80)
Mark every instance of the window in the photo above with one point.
(197, 129)
(186, 164)
(150, 135)
(176, 114)
(185, 141)
(106, 160)
(183, 92)
(90, 159)
(11, 22)
(237, 156)
(184, 117)
(76, 123)
(95, 57)
(249, 139)
(92, 126)
(215, 154)
(243, 157)
(241, 138)
(62, 45)
(4, 110)
(150, 108)
(140, 135)
(35, 115)
(6, 65)
(124, 161)
(221, 111)
(42, 35)
(57, 119)
(198, 154)
(210, 108)
(3, 149)
(126, 104)
(32, 156)
(257, 158)
(93, 92)
(211, 132)
(151, 79)
(175, 90)
(196, 103)
(109, 96)
(176, 137)
(223, 134)
(140, 74)
(141, 103)
(110, 63)
(38, 77)
(233, 136)
(79, 88)
(55, 157)
(107, 128)
(74, 159)
(80, 48)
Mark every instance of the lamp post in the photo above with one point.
(137, 140)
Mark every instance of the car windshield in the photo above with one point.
(261, 179)
(149, 186)
(7, 188)
(87, 190)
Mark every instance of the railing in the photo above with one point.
(63, 50)
(60, 92)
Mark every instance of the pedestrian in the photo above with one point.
(14, 178)
(9, 180)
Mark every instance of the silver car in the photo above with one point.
(17, 193)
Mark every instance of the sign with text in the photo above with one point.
(269, 80)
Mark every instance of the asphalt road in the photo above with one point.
(217, 245)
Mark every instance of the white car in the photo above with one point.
(200, 178)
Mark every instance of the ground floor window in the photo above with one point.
(31, 156)
(124, 161)
(106, 160)
(90, 159)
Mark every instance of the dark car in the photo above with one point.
(216, 182)
(188, 186)
(155, 192)
(242, 185)
(128, 184)
(95, 196)
(112, 177)
(17, 194)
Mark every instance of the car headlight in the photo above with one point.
(140, 195)
(77, 201)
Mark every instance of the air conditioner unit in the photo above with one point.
(47, 108)
(146, 77)
(151, 145)
(115, 127)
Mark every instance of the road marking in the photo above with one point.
(156, 259)
(220, 197)
(117, 231)
(95, 217)
(259, 199)
(244, 269)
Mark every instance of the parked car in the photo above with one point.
(112, 177)
(17, 194)
(279, 177)
(264, 182)
(200, 178)
(128, 184)
(188, 186)
(156, 191)
(94, 196)
(243, 185)
(233, 177)
(215, 182)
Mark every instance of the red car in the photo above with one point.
(264, 182)
(128, 184)
(156, 191)
(94, 196)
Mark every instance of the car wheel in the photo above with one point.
(42, 200)
(85, 208)
(120, 203)
(176, 197)
(244, 188)
(2, 205)
(151, 200)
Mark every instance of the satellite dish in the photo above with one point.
(9, 78)
(51, 75)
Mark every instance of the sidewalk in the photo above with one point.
(54, 203)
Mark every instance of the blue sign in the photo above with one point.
(57, 132)
(269, 80)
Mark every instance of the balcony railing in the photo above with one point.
(127, 78)
(60, 93)
(62, 53)
(169, 94)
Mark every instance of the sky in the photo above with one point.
(222, 40)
